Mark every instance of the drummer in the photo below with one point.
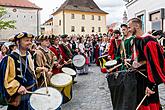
(147, 50)
(57, 52)
(18, 75)
(114, 46)
(44, 59)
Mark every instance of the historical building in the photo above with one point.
(47, 27)
(151, 13)
(79, 17)
(26, 15)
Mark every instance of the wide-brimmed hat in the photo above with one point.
(22, 35)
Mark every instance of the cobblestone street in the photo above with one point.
(90, 92)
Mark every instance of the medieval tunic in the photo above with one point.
(43, 58)
(17, 70)
(148, 50)
(57, 52)
(66, 51)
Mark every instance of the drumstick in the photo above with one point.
(115, 67)
(141, 102)
(137, 70)
(37, 93)
(46, 83)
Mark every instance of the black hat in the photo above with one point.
(21, 35)
(64, 36)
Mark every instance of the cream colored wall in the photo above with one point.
(58, 30)
(27, 23)
(88, 23)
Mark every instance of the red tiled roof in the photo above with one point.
(19, 3)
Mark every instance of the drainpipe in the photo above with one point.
(38, 22)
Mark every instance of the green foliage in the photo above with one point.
(5, 24)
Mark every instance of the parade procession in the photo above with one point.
(76, 61)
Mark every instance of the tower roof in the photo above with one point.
(80, 5)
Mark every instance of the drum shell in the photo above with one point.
(102, 61)
(123, 88)
(66, 91)
(83, 61)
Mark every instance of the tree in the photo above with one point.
(4, 23)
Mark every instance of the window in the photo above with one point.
(143, 20)
(93, 29)
(59, 22)
(99, 29)
(72, 16)
(83, 17)
(93, 17)
(72, 29)
(99, 18)
(82, 29)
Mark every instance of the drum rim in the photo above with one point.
(61, 85)
(52, 88)
(68, 72)
(83, 61)
(111, 65)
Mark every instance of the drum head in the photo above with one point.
(78, 60)
(110, 63)
(69, 71)
(61, 80)
(45, 102)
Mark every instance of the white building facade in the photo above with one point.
(151, 13)
(27, 20)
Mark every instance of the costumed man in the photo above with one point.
(67, 54)
(57, 52)
(114, 50)
(44, 60)
(147, 58)
(66, 49)
(17, 75)
(126, 47)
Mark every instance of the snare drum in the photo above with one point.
(69, 71)
(63, 83)
(45, 102)
(123, 89)
(110, 64)
(78, 61)
(102, 61)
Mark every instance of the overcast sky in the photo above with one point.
(115, 8)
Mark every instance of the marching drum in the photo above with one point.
(79, 61)
(52, 101)
(123, 89)
(63, 83)
(110, 64)
(69, 71)
(102, 61)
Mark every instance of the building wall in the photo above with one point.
(78, 22)
(144, 7)
(26, 20)
(58, 29)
